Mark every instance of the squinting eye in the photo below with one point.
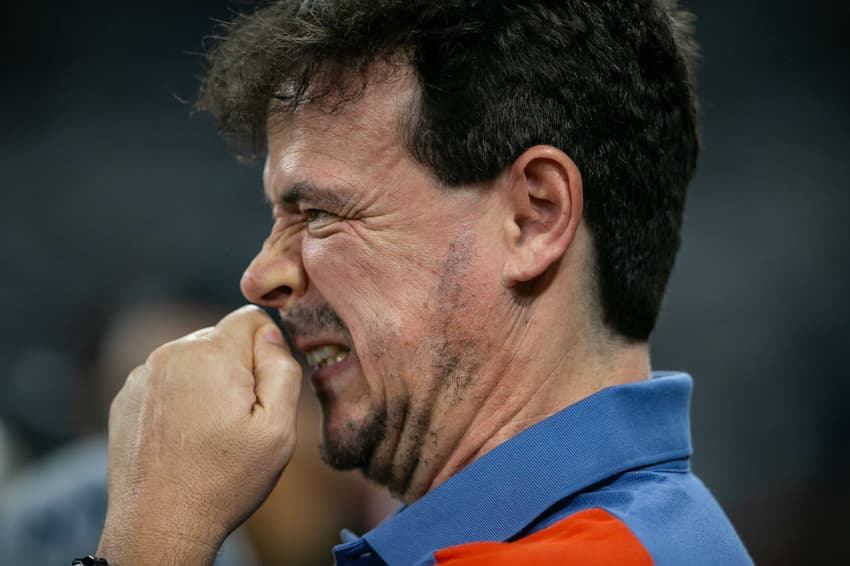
(314, 214)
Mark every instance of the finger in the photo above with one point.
(238, 328)
(277, 376)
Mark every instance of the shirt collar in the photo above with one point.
(617, 429)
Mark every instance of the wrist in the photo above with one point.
(139, 543)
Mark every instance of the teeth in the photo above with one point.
(325, 356)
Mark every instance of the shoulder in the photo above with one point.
(590, 537)
(669, 510)
(662, 515)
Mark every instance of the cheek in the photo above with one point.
(385, 298)
(372, 282)
(343, 275)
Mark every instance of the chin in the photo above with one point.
(348, 443)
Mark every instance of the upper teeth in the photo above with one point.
(324, 356)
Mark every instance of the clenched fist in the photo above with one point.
(198, 437)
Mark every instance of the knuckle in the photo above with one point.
(200, 335)
(201, 342)
(249, 310)
(135, 379)
(115, 404)
(248, 314)
(138, 374)
(160, 356)
(198, 342)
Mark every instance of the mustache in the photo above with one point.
(304, 320)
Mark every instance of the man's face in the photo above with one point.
(387, 281)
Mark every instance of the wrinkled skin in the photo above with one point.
(365, 232)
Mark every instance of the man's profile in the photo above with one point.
(477, 206)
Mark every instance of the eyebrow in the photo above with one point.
(303, 190)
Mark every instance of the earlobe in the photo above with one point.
(545, 194)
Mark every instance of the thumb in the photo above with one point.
(277, 376)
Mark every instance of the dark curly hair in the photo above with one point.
(609, 82)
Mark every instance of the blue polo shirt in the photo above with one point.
(606, 480)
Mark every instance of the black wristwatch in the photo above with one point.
(90, 561)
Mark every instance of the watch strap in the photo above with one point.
(90, 561)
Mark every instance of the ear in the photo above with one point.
(545, 199)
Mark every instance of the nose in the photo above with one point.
(275, 277)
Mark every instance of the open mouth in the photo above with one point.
(326, 356)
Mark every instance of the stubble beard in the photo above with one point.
(354, 445)
(387, 445)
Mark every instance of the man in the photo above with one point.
(477, 206)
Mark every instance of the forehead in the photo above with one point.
(321, 146)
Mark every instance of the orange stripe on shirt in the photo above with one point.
(589, 538)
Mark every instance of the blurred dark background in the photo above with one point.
(112, 193)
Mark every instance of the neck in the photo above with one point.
(520, 387)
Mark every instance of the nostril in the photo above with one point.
(278, 293)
